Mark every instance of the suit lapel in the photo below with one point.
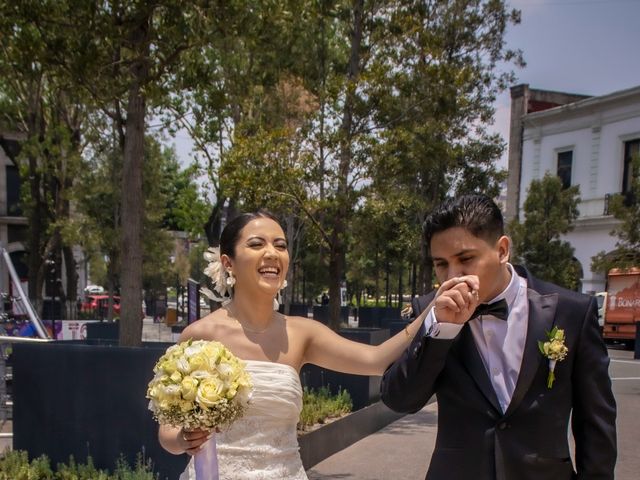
(542, 310)
(473, 363)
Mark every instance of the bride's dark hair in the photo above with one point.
(231, 231)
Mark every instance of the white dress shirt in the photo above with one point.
(500, 343)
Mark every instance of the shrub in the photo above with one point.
(318, 406)
(15, 465)
(76, 471)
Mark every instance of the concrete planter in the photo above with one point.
(377, 317)
(103, 331)
(331, 438)
(77, 399)
(321, 314)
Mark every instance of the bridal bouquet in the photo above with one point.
(198, 384)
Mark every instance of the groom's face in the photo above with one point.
(456, 252)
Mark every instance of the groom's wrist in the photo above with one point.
(440, 330)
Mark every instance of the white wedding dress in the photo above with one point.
(263, 444)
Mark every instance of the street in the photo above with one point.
(625, 374)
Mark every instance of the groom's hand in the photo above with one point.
(457, 299)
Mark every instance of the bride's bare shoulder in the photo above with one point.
(208, 327)
(304, 324)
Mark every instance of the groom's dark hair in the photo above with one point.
(476, 213)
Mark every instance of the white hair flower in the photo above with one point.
(215, 271)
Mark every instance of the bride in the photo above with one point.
(263, 443)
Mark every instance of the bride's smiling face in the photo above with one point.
(261, 258)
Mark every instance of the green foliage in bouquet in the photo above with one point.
(320, 405)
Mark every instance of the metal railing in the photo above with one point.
(18, 301)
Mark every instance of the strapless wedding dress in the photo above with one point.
(263, 444)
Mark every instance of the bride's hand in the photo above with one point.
(456, 299)
(193, 440)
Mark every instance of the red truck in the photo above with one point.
(623, 305)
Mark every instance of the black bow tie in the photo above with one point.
(498, 309)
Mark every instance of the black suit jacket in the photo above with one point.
(475, 439)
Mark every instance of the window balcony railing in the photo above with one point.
(629, 199)
(607, 198)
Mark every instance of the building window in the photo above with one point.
(17, 233)
(631, 150)
(565, 159)
(13, 191)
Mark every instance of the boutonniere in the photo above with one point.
(554, 350)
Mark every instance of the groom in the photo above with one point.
(498, 418)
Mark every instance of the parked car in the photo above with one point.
(93, 290)
(99, 304)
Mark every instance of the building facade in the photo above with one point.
(586, 141)
(13, 224)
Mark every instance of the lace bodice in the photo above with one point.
(263, 444)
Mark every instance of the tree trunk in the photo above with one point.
(132, 216)
(387, 284)
(36, 232)
(72, 281)
(337, 250)
(133, 196)
(336, 268)
(414, 274)
(213, 227)
(400, 299)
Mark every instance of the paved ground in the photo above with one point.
(155, 332)
(402, 450)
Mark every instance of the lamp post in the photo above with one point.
(52, 284)
(173, 262)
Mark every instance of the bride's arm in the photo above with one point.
(329, 350)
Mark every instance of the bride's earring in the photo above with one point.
(231, 280)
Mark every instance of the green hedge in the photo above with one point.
(15, 465)
(319, 405)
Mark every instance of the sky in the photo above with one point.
(590, 47)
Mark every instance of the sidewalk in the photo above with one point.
(155, 332)
(401, 450)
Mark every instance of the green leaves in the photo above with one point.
(549, 211)
(626, 209)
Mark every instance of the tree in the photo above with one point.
(402, 90)
(549, 212)
(626, 208)
(96, 225)
(436, 76)
(50, 117)
(125, 57)
(186, 208)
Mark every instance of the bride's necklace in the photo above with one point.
(245, 327)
